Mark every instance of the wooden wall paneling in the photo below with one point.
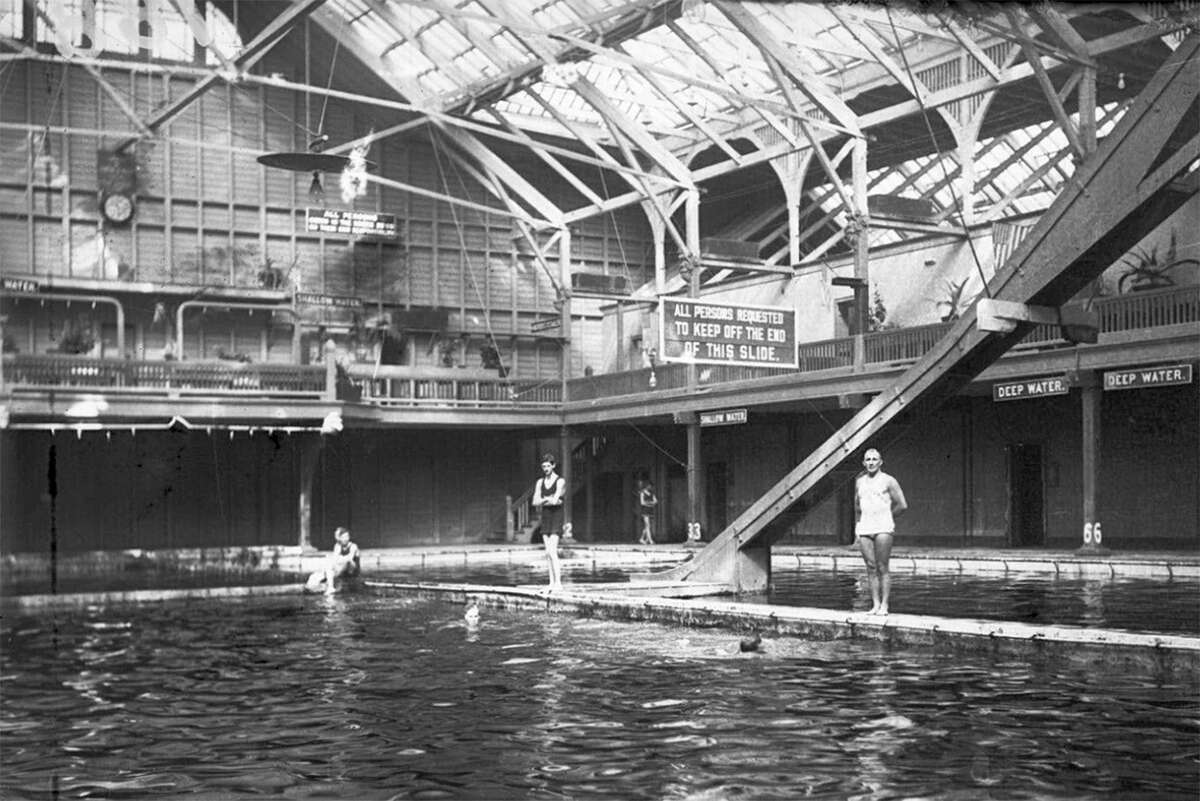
(246, 134)
(448, 269)
(31, 143)
(336, 272)
(420, 275)
(308, 264)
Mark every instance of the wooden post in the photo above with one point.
(1091, 397)
(695, 457)
(858, 214)
(567, 457)
(309, 459)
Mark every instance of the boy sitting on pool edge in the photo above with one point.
(343, 561)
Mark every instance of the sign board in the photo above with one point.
(545, 324)
(723, 417)
(316, 299)
(22, 285)
(1031, 388)
(1163, 376)
(692, 330)
(352, 223)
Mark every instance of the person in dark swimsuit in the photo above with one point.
(548, 495)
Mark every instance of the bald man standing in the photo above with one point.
(878, 499)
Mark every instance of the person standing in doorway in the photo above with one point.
(548, 495)
(647, 502)
(878, 499)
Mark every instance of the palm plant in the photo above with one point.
(1144, 271)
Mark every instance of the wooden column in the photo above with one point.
(861, 244)
(695, 458)
(310, 452)
(564, 275)
(1091, 397)
(564, 447)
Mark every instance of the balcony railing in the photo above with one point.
(400, 387)
(171, 378)
(901, 346)
(416, 387)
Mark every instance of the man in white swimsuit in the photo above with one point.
(878, 499)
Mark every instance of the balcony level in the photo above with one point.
(82, 392)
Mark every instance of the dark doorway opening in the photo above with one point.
(1026, 496)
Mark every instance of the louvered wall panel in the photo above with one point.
(152, 254)
(247, 260)
(339, 268)
(449, 272)
(185, 256)
(247, 113)
(308, 265)
(214, 128)
(421, 275)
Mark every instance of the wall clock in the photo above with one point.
(117, 208)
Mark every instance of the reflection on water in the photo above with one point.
(366, 697)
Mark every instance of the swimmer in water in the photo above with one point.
(471, 616)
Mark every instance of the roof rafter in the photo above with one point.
(809, 83)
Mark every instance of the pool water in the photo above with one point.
(1165, 606)
(371, 697)
(159, 577)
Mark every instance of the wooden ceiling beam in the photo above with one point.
(813, 87)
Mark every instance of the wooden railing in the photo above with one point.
(398, 386)
(50, 372)
(899, 346)
(518, 514)
(478, 388)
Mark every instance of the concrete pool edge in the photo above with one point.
(1157, 651)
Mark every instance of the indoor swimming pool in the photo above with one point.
(372, 697)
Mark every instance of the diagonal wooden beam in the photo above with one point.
(1043, 78)
(872, 45)
(970, 45)
(689, 115)
(546, 158)
(254, 50)
(1055, 24)
(1127, 188)
(496, 166)
(742, 102)
(811, 85)
(636, 133)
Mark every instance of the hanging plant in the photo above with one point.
(1145, 272)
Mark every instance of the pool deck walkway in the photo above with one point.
(701, 605)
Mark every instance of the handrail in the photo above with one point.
(227, 304)
(518, 513)
(1139, 310)
(407, 386)
(69, 299)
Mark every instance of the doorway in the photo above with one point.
(1026, 496)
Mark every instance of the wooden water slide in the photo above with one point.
(1141, 173)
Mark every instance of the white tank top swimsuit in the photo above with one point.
(875, 505)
